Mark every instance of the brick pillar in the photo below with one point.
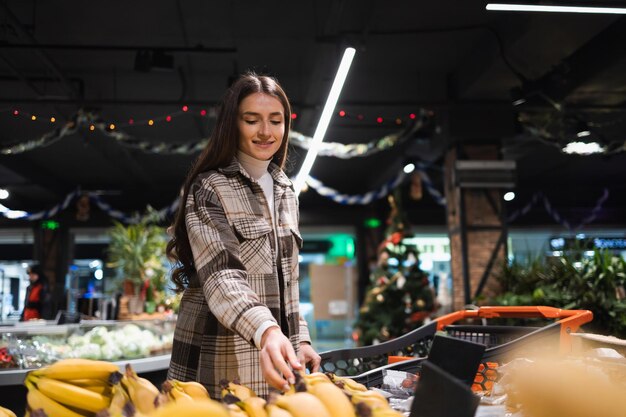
(476, 230)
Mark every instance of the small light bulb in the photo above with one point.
(202, 112)
(408, 168)
(508, 196)
(150, 122)
(342, 113)
(52, 120)
(111, 126)
(92, 128)
(379, 120)
(168, 118)
(33, 117)
(294, 116)
(185, 108)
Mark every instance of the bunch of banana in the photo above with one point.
(142, 393)
(333, 398)
(184, 391)
(345, 383)
(363, 410)
(196, 408)
(251, 406)
(5, 412)
(302, 404)
(70, 387)
(373, 399)
(235, 388)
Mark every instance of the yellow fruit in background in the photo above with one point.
(333, 398)
(5, 412)
(65, 369)
(199, 408)
(302, 404)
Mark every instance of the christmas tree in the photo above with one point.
(399, 297)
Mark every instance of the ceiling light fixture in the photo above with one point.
(408, 168)
(553, 9)
(4, 194)
(322, 125)
(582, 148)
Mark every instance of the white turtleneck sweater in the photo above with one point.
(257, 169)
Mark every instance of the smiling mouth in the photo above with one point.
(261, 142)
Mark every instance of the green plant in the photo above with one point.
(137, 250)
(593, 283)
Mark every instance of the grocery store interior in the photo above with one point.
(473, 158)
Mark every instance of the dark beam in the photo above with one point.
(129, 48)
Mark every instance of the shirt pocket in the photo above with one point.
(255, 248)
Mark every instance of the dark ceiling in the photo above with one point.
(81, 62)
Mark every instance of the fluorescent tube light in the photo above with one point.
(554, 9)
(322, 125)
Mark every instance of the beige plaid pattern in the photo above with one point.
(236, 287)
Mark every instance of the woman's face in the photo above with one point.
(32, 276)
(261, 126)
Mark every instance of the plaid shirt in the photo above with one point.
(240, 276)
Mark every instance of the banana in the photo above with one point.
(371, 398)
(71, 395)
(235, 388)
(6, 412)
(275, 411)
(349, 384)
(194, 389)
(175, 393)
(38, 401)
(198, 408)
(142, 392)
(235, 411)
(253, 406)
(118, 400)
(315, 378)
(302, 404)
(333, 398)
(65, 369)
(386, 412)
(87, 382)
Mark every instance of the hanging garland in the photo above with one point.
(92, 121)
(539, 196)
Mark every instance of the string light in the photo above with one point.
(379, 120)
(294, 116)
(412, 116)
(111, 126)
(398, 121)
(33, 117)
(52, 120)
(131, 121)
(185, 108)
(168, 118)
(202, 112)
(342, 113)
(92, 127)
(15, 112)
(150, 122)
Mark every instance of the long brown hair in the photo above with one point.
(218, 153)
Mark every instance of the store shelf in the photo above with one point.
(142, 365)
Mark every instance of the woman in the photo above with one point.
(236, 243)
(35, 294)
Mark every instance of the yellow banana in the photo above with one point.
(192, 388)
(386, 412)
(175, 393)
(142, 392)
(254, 406)
(302, 404)
(235, 411)
(349, 383)
(333, 398)
(118, 400)
(236, 389)
(275, 411)
(315, 378)
(88, 382)
(37, 400)
(198, 408)
(371, 398)
(65, 369)
(6, 412)
(72, 395)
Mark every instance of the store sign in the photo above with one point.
(587, 243)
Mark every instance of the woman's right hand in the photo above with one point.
(276, 356)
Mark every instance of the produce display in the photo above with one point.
(90, 388)
(129, 341)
